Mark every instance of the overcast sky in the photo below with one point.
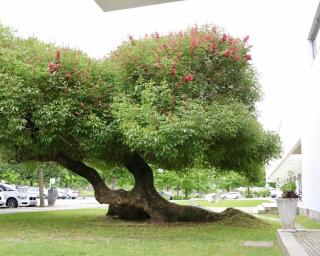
(273, 26)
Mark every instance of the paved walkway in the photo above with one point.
(310, 241)
(300, 242)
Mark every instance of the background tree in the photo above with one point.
(190, 180)
(174, 101)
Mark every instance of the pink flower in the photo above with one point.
(52, 67)
(187, 78)
(247, 57)
(227, 53)
(208, 37)
(173, 71)
(246, 39)
(164, 46)
(236, 58)
(68, 75)
(224, 38)
(57, 56)
(213, 48)
(156, 35)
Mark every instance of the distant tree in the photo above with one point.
(187, 180)
(175, 101)
(231, 180)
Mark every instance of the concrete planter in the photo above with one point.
(287, 208)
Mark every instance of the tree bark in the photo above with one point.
(143, 201)
(186, 193)
(41, 187)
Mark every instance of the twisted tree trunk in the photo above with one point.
(143, 201)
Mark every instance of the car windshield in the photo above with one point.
(6, 188)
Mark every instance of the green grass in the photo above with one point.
(302, 220)
(89, 232)
(84, 193)
(224, 203)
(307, 222)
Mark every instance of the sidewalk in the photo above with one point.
(300, 242)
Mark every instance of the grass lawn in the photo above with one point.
(84, 193)
(89, 232)
(303, 220)
(224, 203)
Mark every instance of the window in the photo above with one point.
(5, 188)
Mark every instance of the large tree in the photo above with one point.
(175, 101)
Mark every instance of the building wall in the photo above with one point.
(311, 139)
(301, 113)
(295, 65)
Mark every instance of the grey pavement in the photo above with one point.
(299, 242)
(309, 240)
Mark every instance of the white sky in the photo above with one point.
(278, 30)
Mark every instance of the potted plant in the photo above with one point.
(287, 205)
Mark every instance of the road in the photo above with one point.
(61, 204)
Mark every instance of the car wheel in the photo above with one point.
(12, 203)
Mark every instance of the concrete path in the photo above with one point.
(309, 240)
(300, 242)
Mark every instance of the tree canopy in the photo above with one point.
(178, 100)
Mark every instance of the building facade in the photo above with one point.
(301, 158)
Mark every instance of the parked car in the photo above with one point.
(62, 193)
(2, 201)
(34, 191)
(13, 198)
(72, 194)
(231, 195)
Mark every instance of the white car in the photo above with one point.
(13, 198)
(231, 195)
(24, 190)
(34, 191)
(72, 194)
(62, 193)
(2, 201)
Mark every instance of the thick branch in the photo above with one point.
(141, 171)
(81, 169)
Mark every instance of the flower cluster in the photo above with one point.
(187, 78)
(200, 56)
(53, 67)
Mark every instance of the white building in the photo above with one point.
(300, 127)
